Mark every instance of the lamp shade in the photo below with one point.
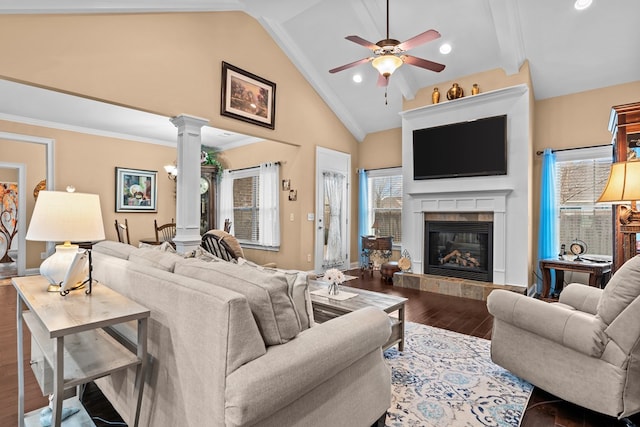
(66, 217)
(387, 64)
(623, 185)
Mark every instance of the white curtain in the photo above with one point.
(269, 205)
(225, 208)
(333, 189)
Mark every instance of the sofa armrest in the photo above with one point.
(581, 297)
(288, 371)
(575, 329)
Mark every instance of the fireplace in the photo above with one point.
(462, 249)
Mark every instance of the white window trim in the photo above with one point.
(246, 173)
(379, 173)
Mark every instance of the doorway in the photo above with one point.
(333, 172)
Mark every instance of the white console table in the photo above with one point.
(69, 345)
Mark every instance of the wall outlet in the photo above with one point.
(311, 217)
(291, 216)
(308, 257)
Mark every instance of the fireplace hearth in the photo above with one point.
(462, 249)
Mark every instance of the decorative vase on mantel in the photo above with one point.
(455, 92)
(435, 96)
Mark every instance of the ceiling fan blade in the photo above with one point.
(382, 81)
(359, 40)
(351, 64)
(425, 37)
(423, 63)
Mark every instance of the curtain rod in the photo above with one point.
(539, 153)
(378, 169)
(252, 167)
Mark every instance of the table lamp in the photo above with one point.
(623, 186)
(64, 217)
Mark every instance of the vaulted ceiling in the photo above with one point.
(568, 50)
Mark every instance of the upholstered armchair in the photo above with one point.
(584, 349)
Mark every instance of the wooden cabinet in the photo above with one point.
(624, 124)
(208, 180)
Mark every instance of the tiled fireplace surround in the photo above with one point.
(504, 198)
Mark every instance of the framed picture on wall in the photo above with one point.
(247, 97)
(136, 190)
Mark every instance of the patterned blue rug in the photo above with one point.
(444, 378)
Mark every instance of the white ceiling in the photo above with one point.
(568, 51)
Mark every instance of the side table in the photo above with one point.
(599, 272)
(69, 346)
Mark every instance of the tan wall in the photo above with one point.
(88, 163)
(578, 120)
(487, 81)
(170, 64)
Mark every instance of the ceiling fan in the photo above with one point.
(389, 54)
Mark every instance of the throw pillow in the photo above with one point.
(298, 290)
(163, 247)
(621, 290)
(267, 294)
(155, 258)
(114, 249)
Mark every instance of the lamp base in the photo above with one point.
(56, 288)
(56, 266)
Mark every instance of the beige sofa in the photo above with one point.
(229, 346)
(584, 349)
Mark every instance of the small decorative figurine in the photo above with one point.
(435, 96)
(475, 89)
(455, 92)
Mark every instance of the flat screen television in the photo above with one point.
(473, 148)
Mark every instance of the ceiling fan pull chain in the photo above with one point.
(385, 96)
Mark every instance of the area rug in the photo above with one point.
(444, 378)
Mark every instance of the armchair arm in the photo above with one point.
(288, 371)
(577, 330)
(581, 297)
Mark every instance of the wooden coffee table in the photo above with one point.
(325, 308)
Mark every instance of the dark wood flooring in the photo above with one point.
(457, 314)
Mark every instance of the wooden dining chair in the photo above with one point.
(166, 231)
(122, 231)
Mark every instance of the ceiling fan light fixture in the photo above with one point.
(386, 64)
(445, 49)
(582, 4)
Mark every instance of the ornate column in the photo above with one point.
(188, 182)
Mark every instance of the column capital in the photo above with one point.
(184, 120)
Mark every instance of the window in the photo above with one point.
(385, 202)
(250, 199)
(246, 208)
(581, 176)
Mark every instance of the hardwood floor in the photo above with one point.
(457, 314)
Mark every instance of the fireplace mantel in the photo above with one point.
(506, 196)
(461, 201)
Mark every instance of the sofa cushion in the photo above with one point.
(155, 258)
(621, 290)
(267, 294)
(298, 290)
(115, 249)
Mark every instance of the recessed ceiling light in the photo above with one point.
(445, 48)
(357, 78)
(582, 4)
